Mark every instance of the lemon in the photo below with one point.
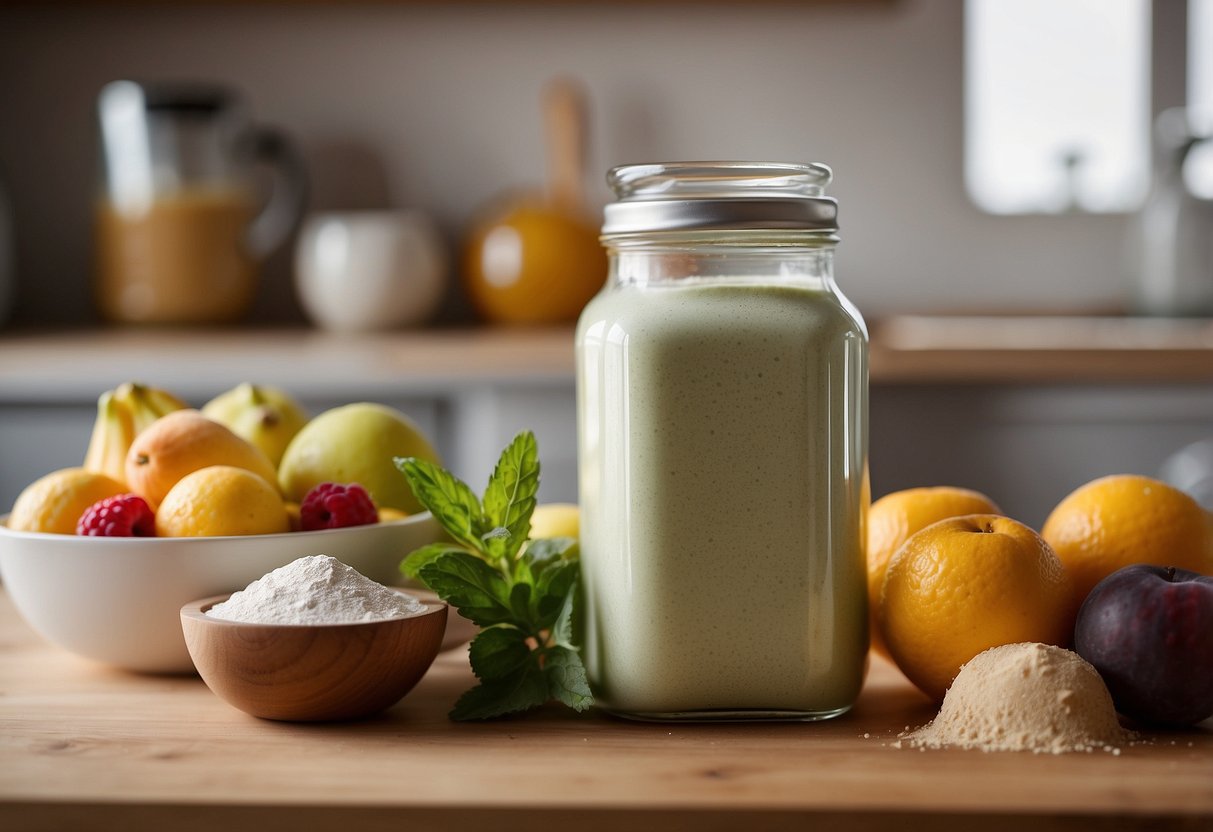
(894, 517)
(556, 520)
(391, 515)
(293, 516)
(55, 502)
(221, 500)
(964, 585)
(1117, 521)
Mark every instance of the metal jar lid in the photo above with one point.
(725, 196)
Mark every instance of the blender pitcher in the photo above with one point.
(182, 220)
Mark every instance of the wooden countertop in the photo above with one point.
(73, 366)
(82, 746)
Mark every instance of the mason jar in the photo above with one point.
(722, 388)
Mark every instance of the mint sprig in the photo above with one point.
(520, 592)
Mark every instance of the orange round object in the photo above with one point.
(964, 585)
(1117, 521)
(533, 264)
(895, 517)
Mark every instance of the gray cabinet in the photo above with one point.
(1026, 446)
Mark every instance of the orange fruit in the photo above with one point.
(1117, 521)
(54, 503)
(533, 263)
(221, 500)
(964, 585)
(183, 442)
(894, 517)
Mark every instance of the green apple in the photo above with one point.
(356, 443)
(264, 416)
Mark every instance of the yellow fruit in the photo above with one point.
(181, 443)
(146, 404)
(221, 500)
(355, 443)
(1123, 519)
(533, 263)
(113, 433)
(964, 585)
(54, 503)
(122, 414)
(265, 416)
(293, 517)
(894, 517)
(556, 520)
(389, 515)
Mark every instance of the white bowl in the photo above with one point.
(118, 599)
(358, 271)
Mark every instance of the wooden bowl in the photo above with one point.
(312, 673)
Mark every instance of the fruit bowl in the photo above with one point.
(117, 600)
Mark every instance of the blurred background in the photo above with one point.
(1025, 213)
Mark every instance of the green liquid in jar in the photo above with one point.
(722, 465)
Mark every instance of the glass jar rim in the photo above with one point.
(702, 196)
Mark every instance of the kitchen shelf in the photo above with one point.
(73, 366)
(87, 747)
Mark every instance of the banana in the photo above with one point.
(147, 404)
(122, 414)
(113, 432)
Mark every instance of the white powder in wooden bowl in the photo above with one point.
(1025, 697)
(315, 590)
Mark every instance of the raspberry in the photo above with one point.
(127, 515)
(333, 506)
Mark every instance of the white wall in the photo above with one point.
(438, 106)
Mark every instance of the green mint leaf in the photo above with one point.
(562, 627)
(498, 652)
(509, 499)
(447, 497)
(496, 533)
(414, 560)
(467, 582)
(552, 590)
(566, 678)
(520, 604)
(521, 572)
(551, 549)
(525, 688)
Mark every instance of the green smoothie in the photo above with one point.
(722, 459)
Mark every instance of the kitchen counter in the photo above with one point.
(74, 366)
(83, 746)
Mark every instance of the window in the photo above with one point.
(1198, 169)
(1057, 110)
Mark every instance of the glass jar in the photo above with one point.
(722, 386)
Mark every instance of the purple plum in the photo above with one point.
(1148, 630)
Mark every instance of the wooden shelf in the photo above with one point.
(73, 366)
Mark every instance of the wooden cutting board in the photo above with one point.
(86, 747)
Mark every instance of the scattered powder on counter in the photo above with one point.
(1025, 697)
(315, 590)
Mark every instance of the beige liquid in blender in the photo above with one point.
(181, 259)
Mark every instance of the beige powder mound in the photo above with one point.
(1025, 697)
